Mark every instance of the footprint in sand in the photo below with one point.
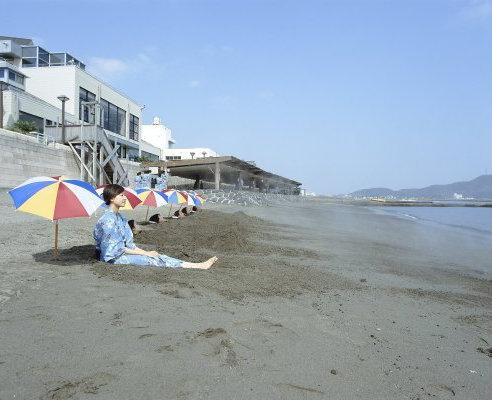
(88, 385)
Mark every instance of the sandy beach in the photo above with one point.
(309, 300)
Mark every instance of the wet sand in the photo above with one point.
(310, 300)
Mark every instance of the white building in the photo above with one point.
(40, 77)
(189, 153)
(158, 136)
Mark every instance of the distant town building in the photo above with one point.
(157, 139)
(189, 153)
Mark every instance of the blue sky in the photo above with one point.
(340, 95)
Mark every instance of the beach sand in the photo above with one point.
(309, 300)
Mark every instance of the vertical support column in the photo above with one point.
(1, 105)
(82, 158)
(101, 160)
(217, 175)
(94, 156)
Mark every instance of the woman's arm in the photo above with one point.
(141, 252)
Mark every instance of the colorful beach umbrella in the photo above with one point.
(175, 196)
(151, 198)
(56, 198)
(131, 196)
(191, 199)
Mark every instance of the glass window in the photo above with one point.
(134, 127)
(150, 156)
(28, 62)
(57, 59)
(19, 79)
(114, 118)
(1, 72)
(121, 129)
(43, 55)
(104, 114)
(30, 51)
(89, 112)
(23, 116)
(12, 75)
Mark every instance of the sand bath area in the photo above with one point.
(309, 300)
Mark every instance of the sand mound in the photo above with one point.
(252, 259)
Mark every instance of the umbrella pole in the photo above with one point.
(55, 250)
(147, 214)
(170, 208)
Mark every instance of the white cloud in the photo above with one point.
(114, 68)
(107, 66)
(193, 84)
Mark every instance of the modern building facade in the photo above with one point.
(31, 71)
(158, 135)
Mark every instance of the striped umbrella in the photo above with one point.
(151, 198)
(56, 198)
(131, 196)
(191, 199)
(174, 197)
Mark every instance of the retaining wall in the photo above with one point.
(23, 157)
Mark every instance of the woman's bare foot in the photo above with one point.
(203, 265)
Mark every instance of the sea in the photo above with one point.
(477, 219)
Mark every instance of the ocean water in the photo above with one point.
(478, 219)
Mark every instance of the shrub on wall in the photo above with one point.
(23, 127)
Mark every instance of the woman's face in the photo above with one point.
(119, 200)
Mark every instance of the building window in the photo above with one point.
(134, 126)
(132, 154)
(1, 72)
(113, 118)
(43, 58)
(30, 51)
(23, 116)
(29, 62)
(87, 111)
(149, 156)
(57, 59)
(171, 158)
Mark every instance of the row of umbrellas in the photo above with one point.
(57, 198)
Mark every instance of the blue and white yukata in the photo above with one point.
(113, 234)
(139, 182)
(161, 182)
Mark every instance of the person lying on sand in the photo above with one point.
(114, 238)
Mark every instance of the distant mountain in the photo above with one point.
(479, 188)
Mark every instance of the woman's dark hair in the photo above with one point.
(111, 191)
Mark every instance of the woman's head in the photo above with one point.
(111, 192)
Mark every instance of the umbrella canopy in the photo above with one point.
(191, 199)
(175, 197)
(131, 195)
(56, 197)
(152, 198)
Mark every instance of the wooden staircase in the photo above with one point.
(97, 157)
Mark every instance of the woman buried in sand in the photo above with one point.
(114, 238)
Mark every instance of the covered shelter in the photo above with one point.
(228, 170)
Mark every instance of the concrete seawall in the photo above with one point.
(23, 156)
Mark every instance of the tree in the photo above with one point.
(24, 127)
